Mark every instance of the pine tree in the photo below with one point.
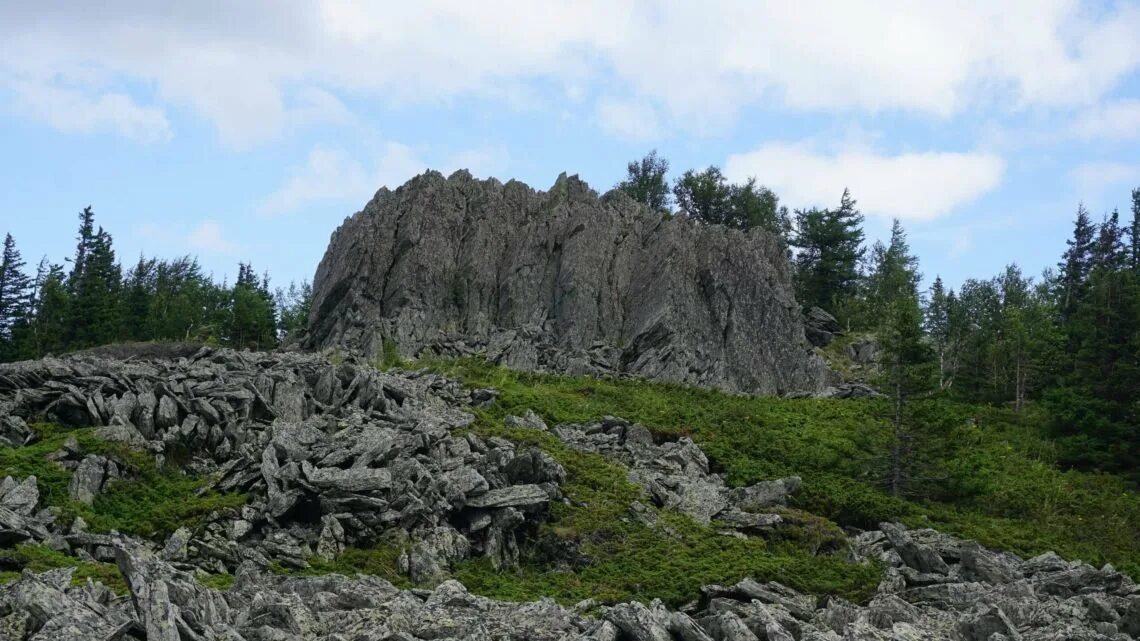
(645, 181)
(830, 246)
(15, 295)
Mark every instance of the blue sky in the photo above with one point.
(248, 131)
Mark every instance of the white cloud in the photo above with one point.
(73, 110)
(251, 68)
(1117, 120)
(629, 120)
(334, 176)
(1094, 178)
(482, 162)
(327, 175)
(960, 239)
(395, 166)
(909, 186)
(208, 237)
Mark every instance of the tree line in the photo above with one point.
(1067, 342)
(91, 300)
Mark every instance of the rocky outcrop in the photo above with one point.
(566, 281)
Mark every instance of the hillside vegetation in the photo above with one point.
(992, 475)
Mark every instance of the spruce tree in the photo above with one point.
(50, 325)
(95, 289)
(894, 271)
(907, 369)
(83, 244)
(138, 294)
(830, 246)
(1076, 263)
(15, 295)
(1134, 232)
(937, 323)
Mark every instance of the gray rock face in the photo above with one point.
(566, 281)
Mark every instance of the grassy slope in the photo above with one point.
(994, 475)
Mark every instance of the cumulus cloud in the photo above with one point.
(626, 119)
(1094, 178)
(328, 175)
(910, 186)
(1117, 120)
(331, 175)
(251, 68)
(76, 111)
(209, 237)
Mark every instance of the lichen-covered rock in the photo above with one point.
(563, 280)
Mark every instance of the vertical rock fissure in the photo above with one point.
(544, 277)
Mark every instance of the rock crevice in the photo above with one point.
(563, 281)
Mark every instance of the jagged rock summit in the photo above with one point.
(566, 281)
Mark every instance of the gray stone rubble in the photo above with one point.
(333, 455)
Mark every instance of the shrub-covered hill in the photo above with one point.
(986, 474)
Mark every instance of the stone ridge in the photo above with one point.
(564, 281)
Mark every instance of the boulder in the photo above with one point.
(916, 555)
(820, 327)
(87, 480)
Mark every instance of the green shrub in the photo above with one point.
(148, 500)
(40, 558)
(994, 473)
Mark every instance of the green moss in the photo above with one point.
(217, 581)
(148, 501)
(39, 558)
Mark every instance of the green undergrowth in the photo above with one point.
(993, 476)
(149, 501)
(835, 354)
(622, 559)
(217, 581)
(625, 559)
(40, 558)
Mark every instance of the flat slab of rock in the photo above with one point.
(513, 496)
(350, 480)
